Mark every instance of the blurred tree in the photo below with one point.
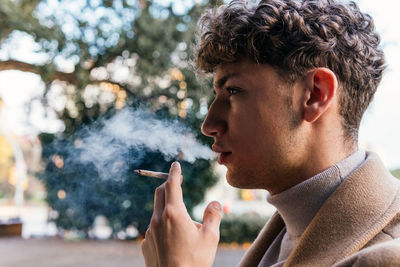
(396, 173)
(95, 57)
(6, 165)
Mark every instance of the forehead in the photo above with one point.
(245, 71)
(230, 69)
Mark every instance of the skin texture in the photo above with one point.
(269, 134)
(173, 239)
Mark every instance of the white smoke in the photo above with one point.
(140, 130)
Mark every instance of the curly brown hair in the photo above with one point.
(295, 36)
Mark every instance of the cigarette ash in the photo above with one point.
(108, 145)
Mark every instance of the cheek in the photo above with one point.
(251, 137)
(245, 122)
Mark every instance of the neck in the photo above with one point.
(325, 155)
(315, 158)
(299, 204)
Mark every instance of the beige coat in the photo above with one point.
(359, 225)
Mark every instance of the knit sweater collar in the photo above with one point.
(299, 204)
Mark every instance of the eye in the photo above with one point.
(232, 91)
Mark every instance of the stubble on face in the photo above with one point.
(258, 124)
(270, 171)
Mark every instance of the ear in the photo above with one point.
(321, 91)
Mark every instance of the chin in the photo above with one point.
(238, 180)
(244, 180)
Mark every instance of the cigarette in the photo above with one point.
(160, 175)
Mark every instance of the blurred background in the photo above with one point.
(67, 68)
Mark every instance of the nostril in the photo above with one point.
(213, 129)
(212, 134)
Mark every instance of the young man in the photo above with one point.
(292, 80)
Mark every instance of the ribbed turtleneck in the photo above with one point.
(299, 204)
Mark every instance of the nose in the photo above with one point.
(215, 124)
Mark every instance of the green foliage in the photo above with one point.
(241, 228)
(147, 39)
(86, 45)
(18, 16)
(396, 173)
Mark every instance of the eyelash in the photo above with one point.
(230, 89)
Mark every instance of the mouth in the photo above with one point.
(223, 155)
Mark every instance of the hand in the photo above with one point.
(173, 239)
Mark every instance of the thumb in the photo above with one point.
(212, 219)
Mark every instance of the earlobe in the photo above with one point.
(322, 86)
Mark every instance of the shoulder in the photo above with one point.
(381, 254)
(382, 250)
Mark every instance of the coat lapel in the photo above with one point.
(358, 210)
(264, 239)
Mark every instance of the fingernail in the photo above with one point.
(175, 164)
(216, 206)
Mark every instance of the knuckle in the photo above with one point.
(159, 190)
(147, 233)
(213, 212)
(169, 212)
(168, 184)
(143, 245)
(209, 211)
(155, 222)
(214, 235)
(155, 218)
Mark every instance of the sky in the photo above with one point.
(380, 128)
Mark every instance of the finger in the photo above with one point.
(148, 249)
(173, 189)
(146, 242)
(159, 204)
(144, 246)
(212, 219)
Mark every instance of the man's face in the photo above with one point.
(253, 123)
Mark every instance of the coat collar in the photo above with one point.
(264, 239)
(357, 211)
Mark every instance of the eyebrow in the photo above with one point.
(221, 82)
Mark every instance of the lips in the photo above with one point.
(224, 154)
(223, 158)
